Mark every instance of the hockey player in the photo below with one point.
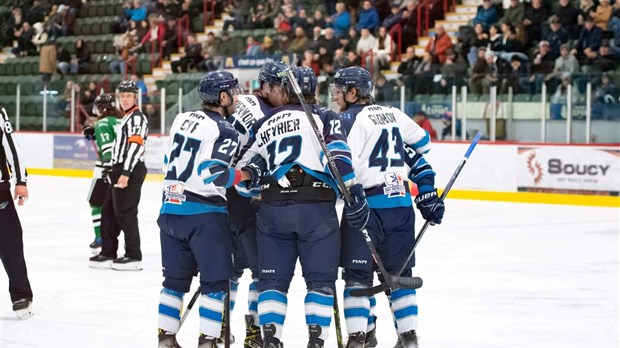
(103, 134)
(193, 217)
(297, 216)
(241, 209)
(127, 176)
(377, 136)
(11, 241)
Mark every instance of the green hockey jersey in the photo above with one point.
(105, 132)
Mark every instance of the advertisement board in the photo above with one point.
(580, 170)
(74, 152)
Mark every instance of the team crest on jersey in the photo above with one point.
(174, 194)
(394, 185)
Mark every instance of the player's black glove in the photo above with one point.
(358, 211)
(89, 133)
(431, 206)
(257, 167)
(105, 175)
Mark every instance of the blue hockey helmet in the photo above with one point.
(270, 72)
(215, 82)
(306, 79)
(355, 77)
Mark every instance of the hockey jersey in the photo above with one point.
(198, 162)
(286, 138)
(377, 136)
(105, 133)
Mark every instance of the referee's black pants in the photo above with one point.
(120, 212)
(12, 249)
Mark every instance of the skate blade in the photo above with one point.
(100, 265)
(24, 314)
(132, 266)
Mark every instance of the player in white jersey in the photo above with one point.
(193, 217)
(241, 207)
(377, 136)
(297, 216)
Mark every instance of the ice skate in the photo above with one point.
(371, 339)
(356, 340)
(95, 246)
(270, 341)
(205, 341)
(253, 338)
(220, 340)
(23, 309)
(126, 264)
(100, 262)
(314, 333)
(407, 339)
(167, 340)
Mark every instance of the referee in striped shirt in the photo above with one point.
(11, 241)
(128, 173)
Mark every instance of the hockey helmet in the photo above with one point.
(215, 82)
(270, 73)
(305, 78)
(127, 86)
(354, 77)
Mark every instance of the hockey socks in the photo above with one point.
(211, 309)
(234, 286)
(272, 306)
(356, 311)
(319, 310)
(95, 213)
(170, 304)
(404, 305)
(253, 301)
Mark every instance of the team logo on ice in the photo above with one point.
(174, 194)
(394, 185)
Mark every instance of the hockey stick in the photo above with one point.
(384, 286)
(337, 322)
(393, 281)
(227, 318)
(189, 307)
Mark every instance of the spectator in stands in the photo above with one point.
(478, 72)
(452, 72)
(282, 24)
(190, 58)
(486, 14)
(329, 41)
(300, 42)
(586, 8)
(353, 59)
(565, 63)
(15, 23)
(267, 47)
(142, 86)
(383, 50)
(252, 48)
(605, 60)
(25, 47)
(567, 13)
(383, 8)
(316, 38)
(439, 44)
(606, 92)
(64, 99)
(63, 57)
(497, 70)
(535, 16)
(124, 50)
(317, 20)
(407, 67)
(365, 44)
(393, 18)
(556, 36)
(258, 17)
(516, 73)
(57, 22)
(284, 44)
(155, 34)
(87, 98)
(409, 23)
(340, 61)
(495, 38)
(330, 7)
(225, 46)
(542, 65)
(446, 132)
(514, 13)
(171, 39)
(301, 20)
(368, 17)
(36, 13)
(40, 36)
(509, 44)
(477, 38)
(135, 11)
(560, 95)
(311, 62)
(590, 40)
(602, 15)
(421, 118)
(341, 20)
(436, 11)
(423, 74)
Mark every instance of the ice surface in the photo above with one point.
(495, 275)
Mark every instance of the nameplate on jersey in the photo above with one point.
(394, 185)
(190, 125)
(379, 116)
(277, 125)
(173, 194)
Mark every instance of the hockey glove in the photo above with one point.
(431, 206)
(358, 211)
(105, 175)
(89, 133)
(257, 168)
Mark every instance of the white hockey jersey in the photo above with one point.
(198, 163)
(286, 138)
(377, 135)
